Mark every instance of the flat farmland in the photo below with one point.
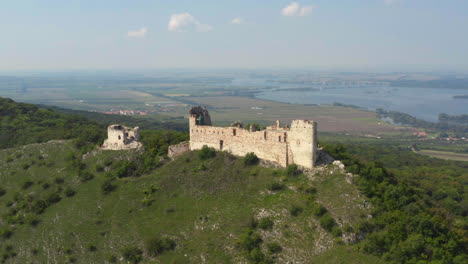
(227, 109)
(444, 155)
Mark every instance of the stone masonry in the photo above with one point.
(283, 145)
(121, 137)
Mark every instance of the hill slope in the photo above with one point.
(194, 210)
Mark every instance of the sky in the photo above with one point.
(157, 34)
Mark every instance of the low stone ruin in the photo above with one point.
(121, 137)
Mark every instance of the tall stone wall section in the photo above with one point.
(281, 145)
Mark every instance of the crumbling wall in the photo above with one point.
(266, 144)
(283, 145)
(179, 149)
(122, 137)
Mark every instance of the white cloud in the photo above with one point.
(295, 9)
(237, 21)
(185, 22)
(140, 33)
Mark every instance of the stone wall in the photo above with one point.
(122, 137)
(179, 149)
(282, 145)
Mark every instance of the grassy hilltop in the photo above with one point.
(213, 210)
(65, 201)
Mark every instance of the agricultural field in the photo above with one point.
(174, 95)
(444, 155)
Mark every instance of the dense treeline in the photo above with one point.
(409, 224)
(176, 123)
(444, 83)
(405, 119)
(460, 119)
(22, 123)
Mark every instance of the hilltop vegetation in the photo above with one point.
(204, 206)
(65, 201)
(22, 124)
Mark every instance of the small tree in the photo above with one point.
(274, 248)
(265, 223)
(156, 246)
(292, 170)
(206, 153)
(132, 254)
(69, 192)
(295, 210)
(250, 159)
(276, 186)
(327, 222)
(107, 187)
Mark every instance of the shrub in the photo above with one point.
(156, 246)
(85, 176)
(327, 222)
(125, 168)
(9, 159)
(249, 240)
(310, 191)
(276, 186)
(295, 210)
(274, 248)
(54, 198)
(348, 228)
(34, 222)
(265, 223)
(257, 256)
(292, 170)
(39, 206)
(206, 153)
(59, 180)
(202, 167)
(107, 187)
(45, 186)
(336, 231)
(2, 191)
(6, 233)
(250, 159)
(91, 247)
(318, 209)
(69, 192)
(112, 259)
(132, 254)
(99, 168)
(26, 184)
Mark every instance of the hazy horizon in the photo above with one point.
(370, 35)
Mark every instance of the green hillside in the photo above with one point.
(66, 201)
(22, 123)
(216, 210)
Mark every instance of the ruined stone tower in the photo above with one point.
(122, 137)
(282, 145)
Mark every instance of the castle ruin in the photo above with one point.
(121, 137)
(283, 145)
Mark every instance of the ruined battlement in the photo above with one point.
(296, 144)
(121, 137)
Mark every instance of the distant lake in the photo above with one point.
(423, 103)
